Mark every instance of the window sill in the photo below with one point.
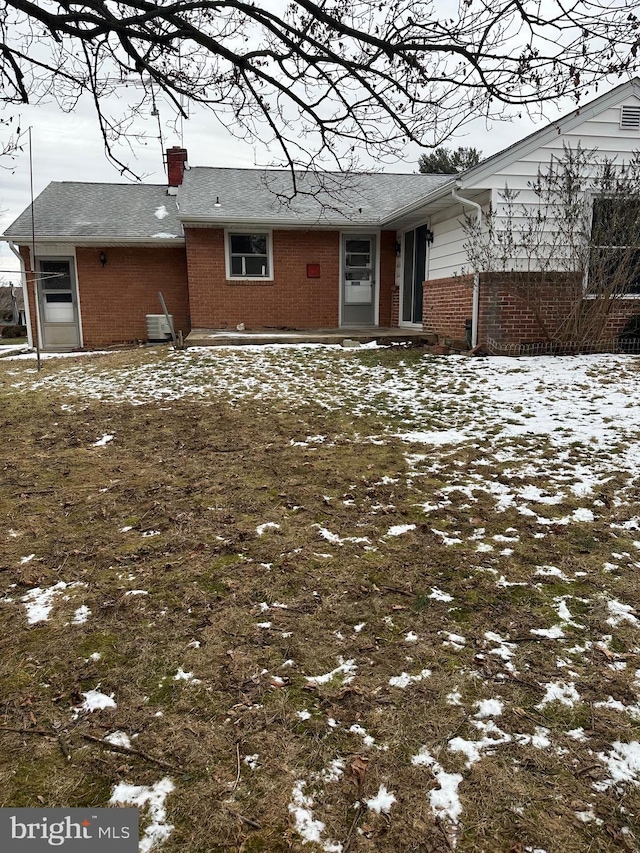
(624, 296)
(239, 282)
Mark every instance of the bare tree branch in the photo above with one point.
(323, 81)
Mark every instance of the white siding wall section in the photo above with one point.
(447, 256)
(601, 134)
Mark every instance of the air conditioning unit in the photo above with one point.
(157, 327)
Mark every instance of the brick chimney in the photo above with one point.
(176, 160)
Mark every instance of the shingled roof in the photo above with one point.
(81, 212)
(326, 198)
(77, 211)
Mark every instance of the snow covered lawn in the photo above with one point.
(301, 598)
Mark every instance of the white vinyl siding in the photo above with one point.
(602, 132)
(447, 256)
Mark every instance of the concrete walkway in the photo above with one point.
(362, 335)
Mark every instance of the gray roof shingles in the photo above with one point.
(328, 198)
(73, 210)
(113, 211)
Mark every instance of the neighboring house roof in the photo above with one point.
(79, 212)
(329, 198)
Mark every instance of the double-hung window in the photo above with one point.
(249, 255)
(614, 257)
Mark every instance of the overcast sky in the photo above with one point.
(68, 147)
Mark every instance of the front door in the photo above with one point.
(358, 280)
(58, 303)
(413, 274)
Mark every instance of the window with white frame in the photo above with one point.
(249, 255)
(614, 257)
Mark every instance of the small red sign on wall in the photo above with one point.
(313, 270)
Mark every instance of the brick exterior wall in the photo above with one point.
(388, 292)
(395, 307)
(504, 317)
(622, 310)
(508, 319)
(291, 300)
(446, 304)
(115, 299)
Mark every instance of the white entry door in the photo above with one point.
(58, 303)
(358, 280)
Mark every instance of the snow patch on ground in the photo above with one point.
(346, 668)
(152, 798)
(94, 700)
(309, 828)
(554, 633)
(620, 613)
(444, 801)
(261, 529)
(489, 708)
(560, 691)
(623, 764)
(181, 675)
(106, 438)
(399, 529)
(382, 801)
(81, 615)
(118, 738)
(404, 679)
(439, 595)
(39, 602)
(473, 749)
(337, 540)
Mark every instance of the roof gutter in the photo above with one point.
(475, 310)
(70, 240)
(190, 221)
(434, 195)
(25, 292)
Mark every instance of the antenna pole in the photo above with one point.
(33, 258)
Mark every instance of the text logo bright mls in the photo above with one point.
(70, 830)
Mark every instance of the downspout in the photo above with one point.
(475, 310)
(25, 292)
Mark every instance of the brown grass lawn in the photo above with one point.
(216, 534)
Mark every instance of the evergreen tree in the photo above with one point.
(446, 161)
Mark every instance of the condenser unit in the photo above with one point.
(157, 327)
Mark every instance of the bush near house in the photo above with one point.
(14, 332)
